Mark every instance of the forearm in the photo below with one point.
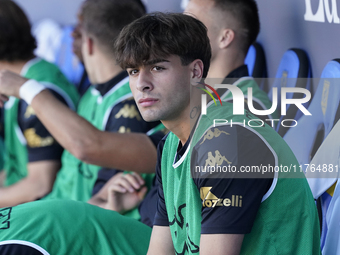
(38, 183)
(161, 242)
(221, 244)
(22, 192)
(130, 151)
(66, 126)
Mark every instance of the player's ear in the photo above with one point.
(225, 38)
(197, 67)
(90, 45)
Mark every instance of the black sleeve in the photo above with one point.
(124, 118)
(148, 207)
(17, 247)
(40, 144)
(161, 217)
(230, 201)
(157, 137)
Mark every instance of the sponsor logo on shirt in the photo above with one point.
(210, 200)
(34, 140)
(128, 111)
(123, 130)
(210, 134)
(29, 112)
(218, 159)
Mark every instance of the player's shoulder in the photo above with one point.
(235, 134)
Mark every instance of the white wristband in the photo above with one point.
(30, 89)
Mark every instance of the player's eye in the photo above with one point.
(157, 68)
(132, 71)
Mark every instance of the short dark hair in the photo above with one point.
(16, 40)
(104, 19)
(247, 15)
(159, 35)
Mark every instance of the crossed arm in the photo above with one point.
(36, 184)
(42, 165)
(91, 145)
(82, 139)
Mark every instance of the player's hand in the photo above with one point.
(10, 84)
(125, 192)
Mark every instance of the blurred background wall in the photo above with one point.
(312, 25)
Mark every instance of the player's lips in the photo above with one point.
(145, 102)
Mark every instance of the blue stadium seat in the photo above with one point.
(331, 244)
(307, 136)
(256, 62)
(67, 61)
(294, 65)
(327, 190)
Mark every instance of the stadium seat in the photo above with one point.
(331, 244)
(294, 65)
(307, 136)
(256, 62)
(326, 190)
(67, 61)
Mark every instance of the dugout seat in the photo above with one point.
(294, 71)
(326, 190)
(307, 136)
(331, 243)
(257, 67)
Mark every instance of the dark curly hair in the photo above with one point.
(16, 40)
(159, 35)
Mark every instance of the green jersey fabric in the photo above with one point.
(15, 143)
(76, 179)
(69, 227)
(286, 222)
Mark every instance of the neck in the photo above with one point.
(180, 127)
(183, 124)
(14, 67)
(225, 62)
(102, 69)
